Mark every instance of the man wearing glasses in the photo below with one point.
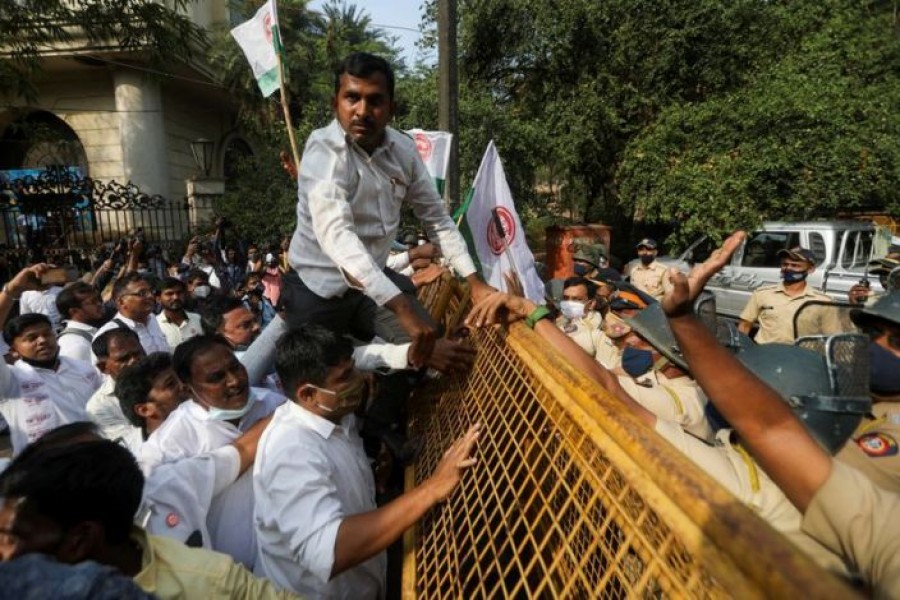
(135, 300)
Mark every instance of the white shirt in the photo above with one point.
(43, 302)
(104, 409)
(175, 334)
(34, 400)
(309, 474)
(178, 495)
(75, 345)
(151, 336)
(348, 212)
(188, 431)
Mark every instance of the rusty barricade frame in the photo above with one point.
(573, 496)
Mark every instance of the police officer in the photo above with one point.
(773, 307)
(875, 446)
(577, 315)
(649, 276)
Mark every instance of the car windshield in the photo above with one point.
(762, 247)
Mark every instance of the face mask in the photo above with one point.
(347, 400)
(636, 362)
(614, 327)
(222, 414)
(884, 370)
(646, 259)
(793, 276)
(581, 269)
(202, 291)
(572, 309)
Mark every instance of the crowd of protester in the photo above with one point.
(232, 424)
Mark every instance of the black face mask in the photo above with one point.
(884, 370)
(646, 259)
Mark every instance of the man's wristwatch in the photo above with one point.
(541, 312)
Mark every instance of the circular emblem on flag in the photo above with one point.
(495, 243)
(423, 145)
(267, 27)
(877, 444)
(172, 519)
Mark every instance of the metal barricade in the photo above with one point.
(573, 497)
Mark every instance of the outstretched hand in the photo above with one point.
(457, 459)
(498, 307)
(685, 289)
(28, 279)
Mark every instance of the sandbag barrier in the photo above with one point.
(572, 497)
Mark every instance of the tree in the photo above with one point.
(815, 135)
(261, 198)
(30, 28)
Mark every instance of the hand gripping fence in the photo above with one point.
(571, 496)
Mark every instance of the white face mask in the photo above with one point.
(572, 309)
(202, 291)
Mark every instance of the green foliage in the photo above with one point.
(27, 27)
(814, 135)
(261, 199)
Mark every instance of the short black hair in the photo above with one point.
(135, 382)
(17, 326)
(187, 351)
(70, 484)
(578, 280)
(124, 281)
(100, 345)
(364, 65)
(307, 354)
(197, 274)
(72, 296)
(64, 435)
(169, 283)
(213, 313)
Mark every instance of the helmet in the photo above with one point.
(886, 308)
(823, 379)
(652, 325)
(589, 253)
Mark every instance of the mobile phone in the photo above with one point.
(57, 276)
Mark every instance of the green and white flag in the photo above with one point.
(260, 40)
(497, 232)
(434, 148)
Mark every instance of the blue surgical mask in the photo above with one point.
(581, 269)
(222, 414)
(793, 276)
(885, 371)
(635, 361)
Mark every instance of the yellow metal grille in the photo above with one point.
(572, 498)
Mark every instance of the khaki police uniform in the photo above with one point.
(731, 465)
(608, 354)
(874, 448)
(774, 310)
(651, 279)
(679, 400)
(852, 515)
(584, 331)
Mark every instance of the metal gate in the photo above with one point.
(59, 213)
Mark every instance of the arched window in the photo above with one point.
(40, 140)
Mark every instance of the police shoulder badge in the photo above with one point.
(877, 444)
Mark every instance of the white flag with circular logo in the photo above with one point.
(434, 148)
(509, 252)
(259, 39)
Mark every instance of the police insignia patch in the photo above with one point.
(878, 444)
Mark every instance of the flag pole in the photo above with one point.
(279, 53)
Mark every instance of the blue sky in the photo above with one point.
(397, 17)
